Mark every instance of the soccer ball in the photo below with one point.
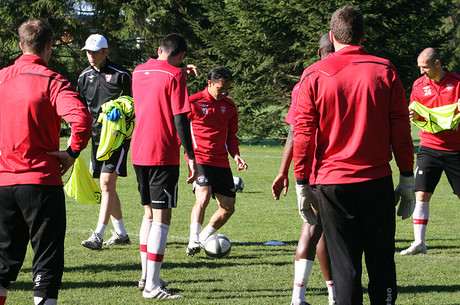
(217, 246)
(239, 184)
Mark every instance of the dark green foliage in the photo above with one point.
(266, 44)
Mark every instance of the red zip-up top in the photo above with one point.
(32, 101)
(354, 105)
(214, 124)
(432, 94)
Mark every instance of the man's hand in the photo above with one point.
(414, 116)
(192, 171)
(405, 192)
(240, 163)
(64, 158)
(281, 182)
(306, 200)
(190, 70)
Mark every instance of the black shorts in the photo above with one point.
(220, 179)
(116, 162)
(158, 185)
(35, 213)
(430, 165)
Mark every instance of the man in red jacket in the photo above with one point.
(32, 204)
(214, 124)
(439, 151)
(351, 114)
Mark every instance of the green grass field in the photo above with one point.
(253, 273)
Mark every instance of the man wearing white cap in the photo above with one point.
(103, 81)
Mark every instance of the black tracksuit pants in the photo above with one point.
(359, 219)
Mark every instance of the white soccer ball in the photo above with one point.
(217, 246)
(239, 184)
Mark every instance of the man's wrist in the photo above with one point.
(301, 181)
(74, 154)
(407, 174)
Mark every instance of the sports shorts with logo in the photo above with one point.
(220, 179)
(158, 185)
(116, 163)
(430, 165)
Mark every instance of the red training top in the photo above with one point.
(214, 124)
(354, 105)
(432, 94)
(159, 93)
(32, 101)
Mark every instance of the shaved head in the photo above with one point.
(430, 54)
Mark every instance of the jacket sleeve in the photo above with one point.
(400, 133)
(306, 121)
(126, 84)
(232, 139)
(69, 106)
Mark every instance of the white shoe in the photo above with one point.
(193, 248)
(117, 239)
(332, 302)
(161, 293)
(141, 284)
(414, 249)
(93, 242)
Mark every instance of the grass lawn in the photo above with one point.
(253, 273)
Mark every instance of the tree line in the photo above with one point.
(266, 44)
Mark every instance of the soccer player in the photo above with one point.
(214, 124)
(32, 204)
(351, 114)
(311, 236)
(99, 83)
(439, 151)
(161, 104)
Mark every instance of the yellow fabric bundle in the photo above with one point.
(436, 119)
(81, 185)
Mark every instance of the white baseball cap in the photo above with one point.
(95, 42)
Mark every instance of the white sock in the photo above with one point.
(330, 289)
(156, 247)
(100, 229)
(37, 301)
(420, 220)
(208, 231)
(3, 294)
(119, 226)
(143, 238)
(302, 273)
(194, 232)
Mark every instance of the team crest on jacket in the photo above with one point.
(223, 109)
(449, 87)
(108, 77)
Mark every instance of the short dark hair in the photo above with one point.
(220, 73)
(325, 46)
(35, 34)
(347, 25)
(173, 44)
